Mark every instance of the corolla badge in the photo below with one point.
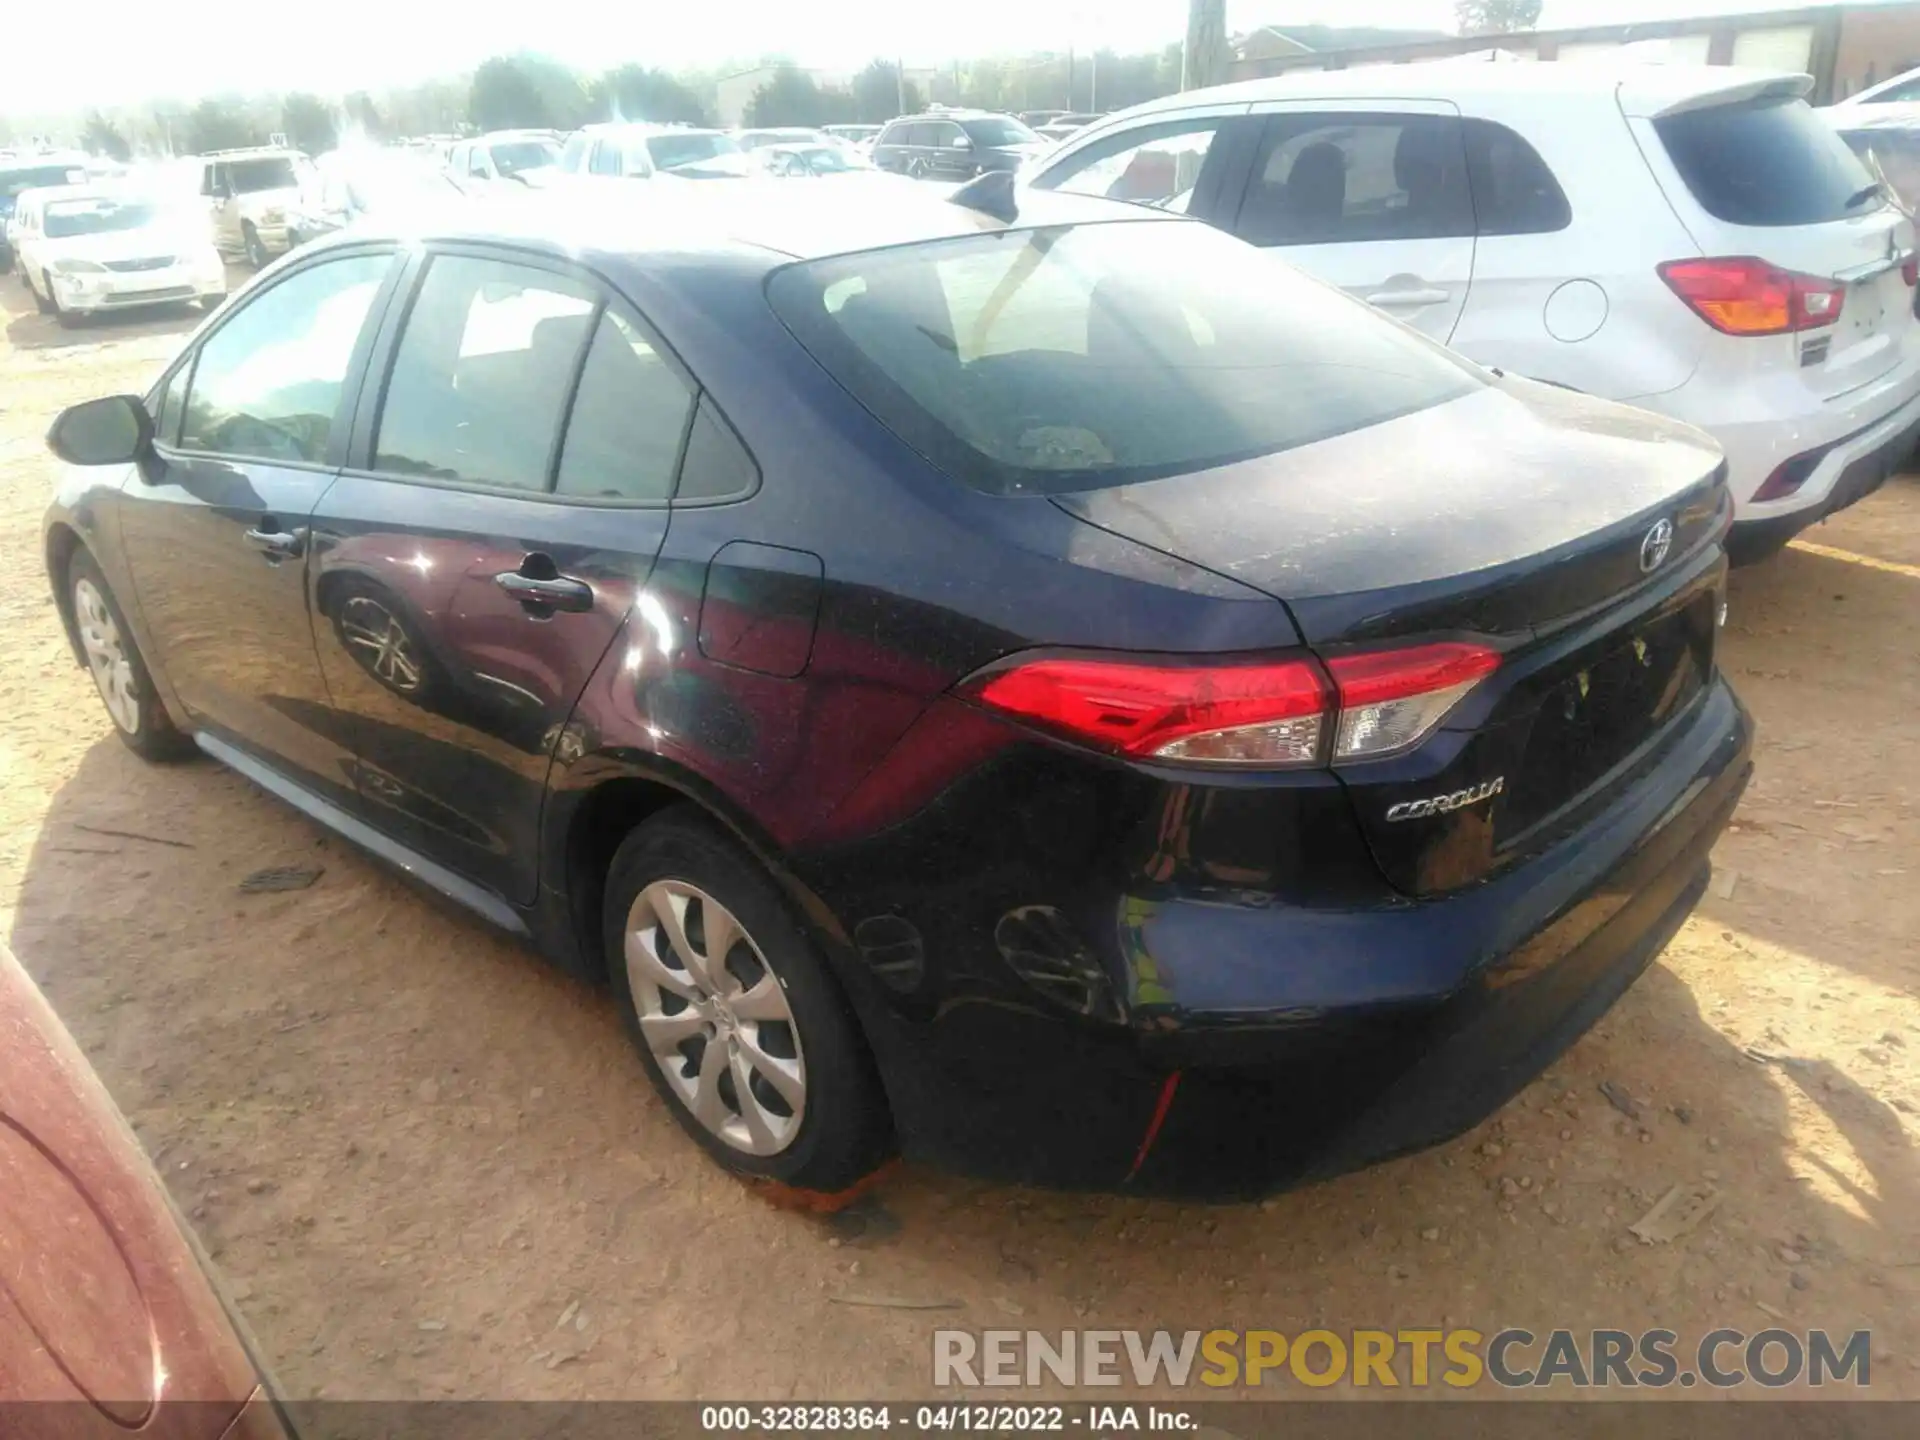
(1654, 546)
(1445, 804)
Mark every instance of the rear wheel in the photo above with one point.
(741, 1029)
(42, 303)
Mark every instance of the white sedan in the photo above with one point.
(84, 250)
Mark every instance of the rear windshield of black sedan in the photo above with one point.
(1050, 360)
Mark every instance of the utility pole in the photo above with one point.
(1069, 77)
(1203, 60)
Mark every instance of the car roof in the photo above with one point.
(1642, 88)
(250, 152)
(773, 221)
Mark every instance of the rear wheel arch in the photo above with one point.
(597, 821)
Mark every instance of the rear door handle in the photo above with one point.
(561, 592)
(278, 544)
(1388, 299)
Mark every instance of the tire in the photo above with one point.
(835, 1130)
(43, 303)
(211, 303)
(131, 701)
(255, 247)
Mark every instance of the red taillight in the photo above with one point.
(1227, 714)
(1279, 713)
(1390, 699)
(1910, 270)
(1740, 295)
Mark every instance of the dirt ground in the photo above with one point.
(415, 1150)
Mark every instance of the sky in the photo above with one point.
(137, 52)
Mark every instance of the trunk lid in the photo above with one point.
(1524, 517)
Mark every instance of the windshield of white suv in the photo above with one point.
(271, 172)
(67, 218)
(690, 148)
(1766, 162)
(1044, 361)
(999, 130)
(511, 157)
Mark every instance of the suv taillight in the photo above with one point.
(1273, 714)
(1741, 295)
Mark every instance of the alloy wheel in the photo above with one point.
(107, 656)
(381, 644)
(715, 1018)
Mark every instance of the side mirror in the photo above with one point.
(115, 430)
(960, 142)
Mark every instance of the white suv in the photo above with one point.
(1691, 239)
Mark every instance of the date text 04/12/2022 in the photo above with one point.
(946, 1416)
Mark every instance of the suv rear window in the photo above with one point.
(1765, 162)
(1050, 360)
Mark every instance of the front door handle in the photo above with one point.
(545, 592)
(1389, 299)
(278, 545)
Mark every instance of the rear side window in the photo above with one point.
(481, 375)
(267, 384)
(1340, 178)
(629, 417)
(1514, 193)
(1044, 361)
(717, 466)
(1765, 162)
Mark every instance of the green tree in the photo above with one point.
(102, 137)
(1495, 17)
(877, 94)
(527, 92)
(634, 92)
(219, 124)
(792, 97)
(308, 121)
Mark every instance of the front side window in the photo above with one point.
(481, 375)
(628, 421)
(1339, 178)
(1050, 360)
(606, 157)
(267, 384)
(1151, 165)
(999, 130)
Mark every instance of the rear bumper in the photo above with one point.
(1310, 1042)
(1856, 468)
(1767, 420)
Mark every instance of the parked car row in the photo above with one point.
(1692, 240)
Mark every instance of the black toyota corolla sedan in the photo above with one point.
(1030, 682)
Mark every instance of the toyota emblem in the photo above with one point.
(1655, 545)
